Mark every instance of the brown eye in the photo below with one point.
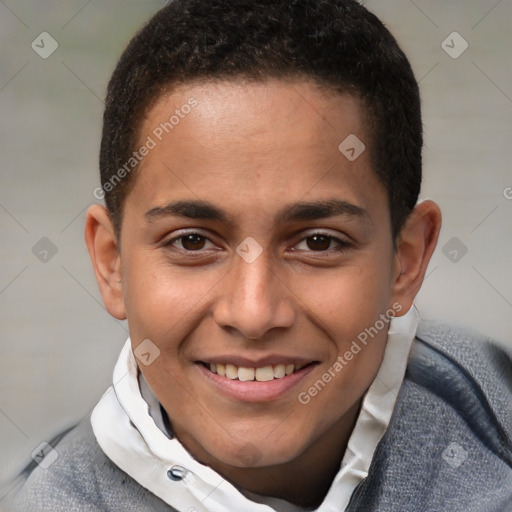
(190, 242)
(319, 242)
(323, 243)
(193, 242)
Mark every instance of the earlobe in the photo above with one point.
(106, 261)
(416, 244)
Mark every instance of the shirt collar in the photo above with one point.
(129, 427)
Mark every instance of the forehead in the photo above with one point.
(256, 143)
(239, 109)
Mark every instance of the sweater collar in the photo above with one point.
(128, 426)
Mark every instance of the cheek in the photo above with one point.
(347, 299)
(348, 306)
(365, 331)
(161, 301)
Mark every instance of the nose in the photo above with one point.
(254, 300)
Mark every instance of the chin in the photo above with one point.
(259, 453)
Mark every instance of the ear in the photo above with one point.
(106, 260)
(415, 246)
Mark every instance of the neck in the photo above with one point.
(303, 481)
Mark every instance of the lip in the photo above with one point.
(254, 391)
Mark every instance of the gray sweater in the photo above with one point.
(448, 446)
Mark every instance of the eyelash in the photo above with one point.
(343, 245)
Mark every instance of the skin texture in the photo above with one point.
(254, 150)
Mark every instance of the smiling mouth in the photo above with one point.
(260, 374)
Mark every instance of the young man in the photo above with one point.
(261, 165)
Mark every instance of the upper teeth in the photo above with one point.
(262, 374)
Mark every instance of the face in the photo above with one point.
(250, 241)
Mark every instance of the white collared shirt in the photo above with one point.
(129, 428)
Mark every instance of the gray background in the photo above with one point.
(58, 343)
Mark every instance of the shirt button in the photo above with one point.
(177, 473)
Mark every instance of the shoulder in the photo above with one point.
(470, 348)
(449, 442)
(466, 369)
(78, 476)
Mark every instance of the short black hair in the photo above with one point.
(338, 44)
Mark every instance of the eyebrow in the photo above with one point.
(322, 209)
(203, 210)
